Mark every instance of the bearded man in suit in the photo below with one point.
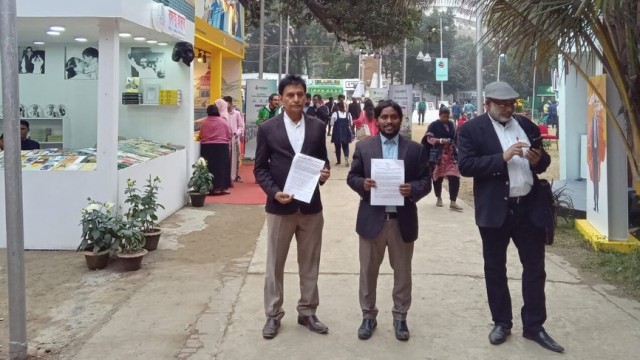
(278, 141)
(503, 153)
(393, 227)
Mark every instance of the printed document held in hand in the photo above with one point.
(303, 177)
(388, 175)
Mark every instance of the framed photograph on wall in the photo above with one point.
(81, 63)
(146, 63)
(151, 94)
(31, 60)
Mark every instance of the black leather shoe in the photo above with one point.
(312, 323)
(542, 338)
(499, 334)
(402, 331)
(366, 329)
(270, 329)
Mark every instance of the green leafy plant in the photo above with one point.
(201, 180)
(143, 205)
(130, 239)
(99, 223)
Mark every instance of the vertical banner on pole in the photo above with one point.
(257, 96)
(597, 198)
(442, 69)
(403, 95)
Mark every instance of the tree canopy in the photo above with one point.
(366, 23)
(581, 31)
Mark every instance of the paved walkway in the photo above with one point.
(449, 318)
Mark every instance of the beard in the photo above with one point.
(497, 115)
(388, 135)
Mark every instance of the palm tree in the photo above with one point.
(581, 32)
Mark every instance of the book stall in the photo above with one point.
(91, 140)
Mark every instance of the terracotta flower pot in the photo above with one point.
(132, 262)
(97, 261)
(197, 199)
(152, 239)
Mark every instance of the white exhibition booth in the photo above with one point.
(94, 115)
(610, 218)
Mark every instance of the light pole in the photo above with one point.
(261, 56)
(501, 58)
(441, 56)
(404, 64)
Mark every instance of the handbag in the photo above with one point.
(363, 132)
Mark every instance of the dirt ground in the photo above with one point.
(66, 302)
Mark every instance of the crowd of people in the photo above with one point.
(499, 149)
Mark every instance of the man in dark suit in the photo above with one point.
(395, 227)
(278, 141)
(503, 154)
(319, 110)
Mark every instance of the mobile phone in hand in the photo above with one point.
(536, 143)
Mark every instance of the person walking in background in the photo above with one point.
(468, 109)
(330, 105)
(504, 154)
(270, 110)
(278, 141)
(392, 227)
(342, 136)
(367, 118)
(463, 119)
(552, 118)
(354, 108)
(440, 141)
(422, 109)
(456, 110)
(215, 135)
(319, 110)
(236, 123)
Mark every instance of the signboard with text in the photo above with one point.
(257, 95)
(442, 69)
(403, 95)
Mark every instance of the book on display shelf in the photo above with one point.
(130, 152)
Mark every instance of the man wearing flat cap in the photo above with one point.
(503, 153)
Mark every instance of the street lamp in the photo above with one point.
(441, 56)
(501, 59)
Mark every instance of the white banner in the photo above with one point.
(378, 94)
(257, 95)
(403, 95)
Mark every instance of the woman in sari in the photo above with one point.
(440, 141)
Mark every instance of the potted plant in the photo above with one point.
(143, 208)
(99, 231)
(130, 243)
(201, 182)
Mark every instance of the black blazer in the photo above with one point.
(416, 172)
(480, 157)
(274, 156)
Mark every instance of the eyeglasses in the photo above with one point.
(391, 117)
(503, 104)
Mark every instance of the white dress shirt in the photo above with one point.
(520, 176)
(295, 132)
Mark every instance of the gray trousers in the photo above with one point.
(371, 256)
(308, 232)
